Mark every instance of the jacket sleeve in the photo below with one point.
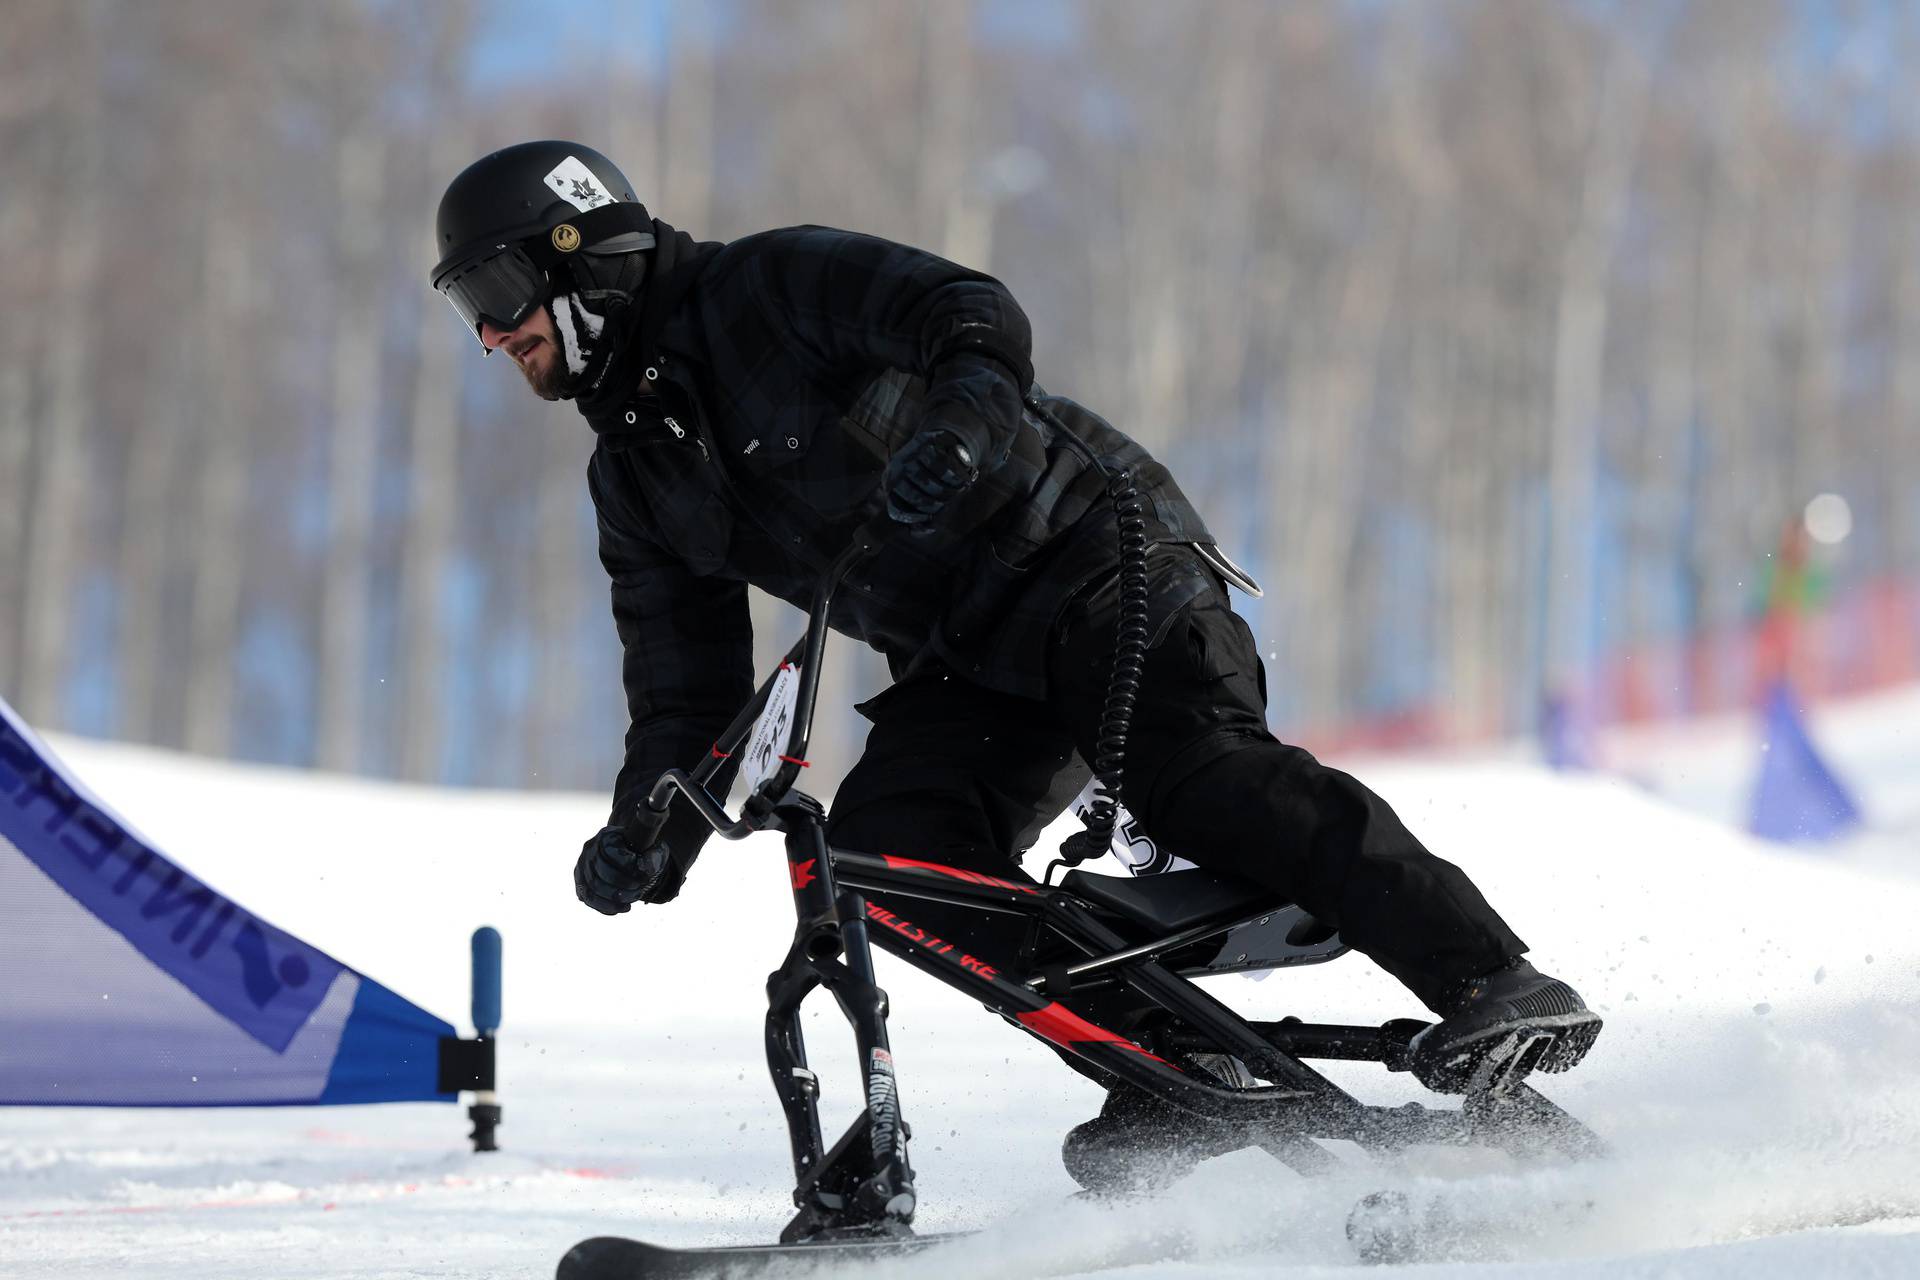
(849, 301)
(687, 664)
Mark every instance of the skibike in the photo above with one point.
(1148, 936)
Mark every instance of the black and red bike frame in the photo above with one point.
(863, 1183)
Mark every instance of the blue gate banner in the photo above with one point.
(126, 980)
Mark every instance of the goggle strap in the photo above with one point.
(595, 225)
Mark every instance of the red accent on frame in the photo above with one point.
(718, 754)
(958, 873)
(796, 760)
(1066, 1028)
(801, 873)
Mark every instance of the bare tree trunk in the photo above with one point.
(1337, 403)
(1156, 343)
(1451, 494)
(433, 477)
(1147, 282)
(633, 129)
(1898, 437)
(149, 544)
(225, 450)
(1816, 434)
(57, 529)
(950, 208)
(21, 220)
(427, 551)
(1667, 444)
(687, 176)
(347, 587)
(1469, 519)
(148, 547)
(1222, 327)
(15, 454)
(561, 554)
(1726, 500)
(1580, 340)
(433, 460)
(1896, 440)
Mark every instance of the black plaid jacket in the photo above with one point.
(743, 430)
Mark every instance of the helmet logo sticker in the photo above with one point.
(566, 237)
(573, 182)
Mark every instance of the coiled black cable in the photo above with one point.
(1131, 635)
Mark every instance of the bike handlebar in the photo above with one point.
(806, 654)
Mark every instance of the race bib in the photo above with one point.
(768, 741)
(1135, 850)
(1132, 848)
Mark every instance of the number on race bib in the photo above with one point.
(1132, 847)
(768, 741)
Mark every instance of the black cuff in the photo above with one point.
(982, 341)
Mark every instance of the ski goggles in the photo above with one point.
(501, 290)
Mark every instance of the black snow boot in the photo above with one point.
(1139, 1144)
(1500, 1026)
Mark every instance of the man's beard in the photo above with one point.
(548, 376)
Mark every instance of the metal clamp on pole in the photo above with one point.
(468, 1065)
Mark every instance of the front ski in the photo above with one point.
(617, 1258)
(990, 1251)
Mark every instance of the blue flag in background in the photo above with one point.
(1797, 797)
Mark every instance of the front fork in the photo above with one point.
(863, 1185)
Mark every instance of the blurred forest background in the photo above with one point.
(1500, 338)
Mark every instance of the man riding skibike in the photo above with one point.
(757, 402)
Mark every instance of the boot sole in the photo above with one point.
(1504, 1055)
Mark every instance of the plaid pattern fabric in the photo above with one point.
(742, 440)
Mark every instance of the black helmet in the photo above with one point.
(512, 217)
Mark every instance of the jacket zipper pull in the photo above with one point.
(679, 432)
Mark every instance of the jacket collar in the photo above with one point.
(678, 260)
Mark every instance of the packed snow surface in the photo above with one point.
(1756, 1079)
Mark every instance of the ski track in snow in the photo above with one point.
(1756, 1079)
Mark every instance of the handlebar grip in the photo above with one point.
(645, 827)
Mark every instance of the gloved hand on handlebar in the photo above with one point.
(928, 472)
(610, 877)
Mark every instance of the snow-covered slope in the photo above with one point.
(1756, 1076)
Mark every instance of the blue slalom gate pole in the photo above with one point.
(485, 1111)
(486, 980)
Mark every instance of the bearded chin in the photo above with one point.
(548, 380)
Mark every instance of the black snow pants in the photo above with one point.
(967, 776)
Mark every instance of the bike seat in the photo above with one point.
(1173, 900)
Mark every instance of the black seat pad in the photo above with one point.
(1174, 900)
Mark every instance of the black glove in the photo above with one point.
(610, 877)
(928, 473)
